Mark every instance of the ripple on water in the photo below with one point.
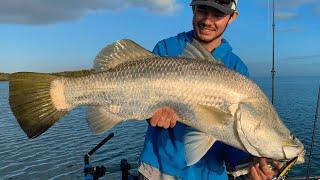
(58, 153)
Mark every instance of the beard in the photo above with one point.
(197, 27)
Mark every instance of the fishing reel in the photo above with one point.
(94, 172)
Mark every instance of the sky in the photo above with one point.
(59, 35)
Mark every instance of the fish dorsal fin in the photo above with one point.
(197, 145)
(100, 120)
(195, 50)
(119, 52)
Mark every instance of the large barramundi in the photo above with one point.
(130, 82)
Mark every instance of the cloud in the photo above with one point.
(159, 6)
(317, 10)
(287, 29)
(288, 9)
(299, 58)
(54, 11)
(286, 15)
(293, 4)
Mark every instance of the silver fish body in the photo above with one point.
(134, 90)
(215, 102)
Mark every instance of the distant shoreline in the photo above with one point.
(6, 76)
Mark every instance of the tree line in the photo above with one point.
(6, 76)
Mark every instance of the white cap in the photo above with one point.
(234, 5)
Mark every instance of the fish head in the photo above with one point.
(263, 134)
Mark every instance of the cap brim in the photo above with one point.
(224, 9)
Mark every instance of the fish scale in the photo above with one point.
(129, 82)
(152, 81)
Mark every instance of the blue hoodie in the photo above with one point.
(164, 148)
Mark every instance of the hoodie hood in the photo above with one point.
(218, 53)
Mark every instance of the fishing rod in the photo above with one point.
(283, 172)
(95, 172)
(273, 72)
(92, 172)
(313, 134)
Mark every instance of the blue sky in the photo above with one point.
(56, 35)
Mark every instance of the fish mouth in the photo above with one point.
(291, 152)
(301, 157)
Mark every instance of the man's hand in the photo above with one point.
(261, 170)
(164, 117)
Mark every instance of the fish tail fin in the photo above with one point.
(30, 98)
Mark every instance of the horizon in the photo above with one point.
(67, 36)
(251, 77)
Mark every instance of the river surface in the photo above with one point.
(58, 153)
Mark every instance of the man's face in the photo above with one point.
(209, 23)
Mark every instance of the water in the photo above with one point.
(295, 101)
(58, 153)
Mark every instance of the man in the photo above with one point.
(163, 156)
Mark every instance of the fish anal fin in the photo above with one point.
(101, 120)
(197, 145)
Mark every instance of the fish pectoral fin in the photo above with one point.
(212, 115)
(120, 52)
(197, 145)
(100, 120)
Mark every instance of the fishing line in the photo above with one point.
(313, 134)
